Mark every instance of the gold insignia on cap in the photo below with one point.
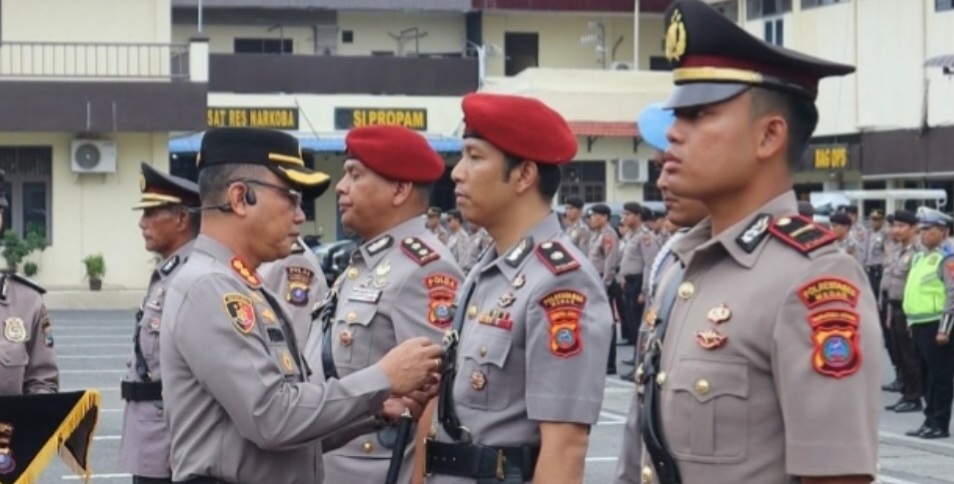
(675, 37)
(142, 182)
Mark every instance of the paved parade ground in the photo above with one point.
(93, 346)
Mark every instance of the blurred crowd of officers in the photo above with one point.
(476, 355)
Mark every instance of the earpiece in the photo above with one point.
(250, 198)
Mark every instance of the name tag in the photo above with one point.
(365, 294)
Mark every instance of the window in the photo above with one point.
(820, 3)
(775, 32)
(584, 179)
(728, 8)
(522, 52)
(263, 46)
(28, 180)
(347, 36)
(767, 8)
(651, 192)
(941, 5)
(659, 63)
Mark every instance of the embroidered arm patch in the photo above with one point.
(441, 293)
(836, 353)
(828, 289)
(240, 310)
(564, 310)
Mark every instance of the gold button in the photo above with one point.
(352, 317)
(353, 273)
(432, 433)
(702, 387)
(686, 290)
(661, 378)
(647, 475)
(367, 447)
(472, 311)
(483, 351)
(639, 373)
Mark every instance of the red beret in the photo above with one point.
(519, 126)
(395, 152)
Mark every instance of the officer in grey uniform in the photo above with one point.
(858, 230)
(841, 226)
(762, 309)
(238, 401)
(169, 229)
(479, 241)
(458, 240)
(401, 283)
(604, 255)
(639, 249)
(301, 285)
(434, 224)
(27, 359)
(908, 380)
(517, 403)
(576, 228)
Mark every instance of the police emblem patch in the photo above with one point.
(828, 289)
(441, 292)
(7, 463)
(240, 310)
(834, 334)
(14, 330)
(564, 310)
(299, 282)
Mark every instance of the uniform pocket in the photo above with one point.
(13, 355)
(481, 382)
(708, 418)
(353, 335)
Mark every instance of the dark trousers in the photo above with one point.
(874, 278)
(939, 360)
(151, 480)
(632, 309)
(909, 362)
(614, 292)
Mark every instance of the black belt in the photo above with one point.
(203, 480)
(141, 391)
(480, 461)
(633, 277)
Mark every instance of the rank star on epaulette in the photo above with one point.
(418, 251)
(556, 257)
(247, 275)
(801, 233)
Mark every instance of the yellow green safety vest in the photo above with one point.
(924, 291)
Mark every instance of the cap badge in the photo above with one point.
(675, 37)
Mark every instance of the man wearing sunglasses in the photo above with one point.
(238, 401)
(169, 230)
(401, 283)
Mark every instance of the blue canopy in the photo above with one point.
(326, 143)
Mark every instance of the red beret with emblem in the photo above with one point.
(396, 153)
(521, 127)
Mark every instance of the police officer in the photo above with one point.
(238, 401)
(762, 309)
(300, 283)
(841, 226)
(27, 360)
(458, 240)
(479, 241)
(434, 224)
(604, 255)
(638, 251)
(401, 283)
(535, 321)
(575, 227)
(929, 307)
(908, 381)
(169, 230)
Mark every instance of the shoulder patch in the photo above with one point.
(564, 310)
(556, 257)
(170, 265)
(418, 251)
(949, 268)
(299, 284)
(754, 233)
(244, 273)
(836, 352)
(240, 310)
(608, 242)
(441, 293)
(828, 289)
(801, 233)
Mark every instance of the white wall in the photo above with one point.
(222, 37)
(86, 21)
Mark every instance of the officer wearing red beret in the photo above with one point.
(533, 319)
(401, 283)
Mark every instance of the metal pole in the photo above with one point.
(200, 16)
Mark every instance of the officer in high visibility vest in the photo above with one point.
(929, 307)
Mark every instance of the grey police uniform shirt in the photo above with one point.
(896, 271)
(144, 448)
(793, 389)
(238, 405)
(459, 245)
(580, 234)
(534, 343)
(27, 359)
(639, 249)
(300, 284)
(628, 466)
(861, 235)
(479, 241)
(875, 248)
(946, 273)
(852, 248)
(400, 285)
(604, 253)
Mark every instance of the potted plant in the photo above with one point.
(14, 250)
(30, 269)
(95, 270)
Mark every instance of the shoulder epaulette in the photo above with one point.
(556, 257)
(170, 265)
(26, 282)
(298, 248)
(418, 251)
(801, 233)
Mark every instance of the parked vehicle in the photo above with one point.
(334, 257)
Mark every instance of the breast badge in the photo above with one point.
(564, 310)
(711, 339)
(14, 331)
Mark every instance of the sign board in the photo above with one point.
(413, 118)
(272, 118)
(830, 157)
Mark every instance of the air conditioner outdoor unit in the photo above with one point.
(632, 171)
(621, 66)
(93, 156)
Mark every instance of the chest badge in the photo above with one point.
(506, 300)
(711, 339)
(268, 315)
(345, 338)
(14, 330)
(519, 281)
(719, 314)
(383, 269)
(478, 381)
